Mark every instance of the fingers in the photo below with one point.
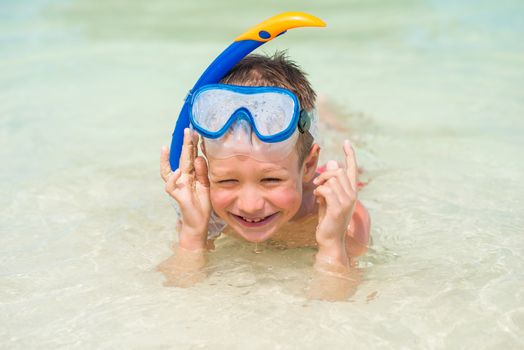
(348, 176)
(187, 156)
(201, 171)
(328, 195)
(339, 204)
(171, 182)
(351, 164)
(195, 138)
(334, 184)
(339, 174)
(165, 166)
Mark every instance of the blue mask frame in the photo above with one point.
(245, 113)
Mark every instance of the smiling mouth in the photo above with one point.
(254, 222)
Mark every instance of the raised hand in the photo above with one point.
(189, 186)
(336, 194)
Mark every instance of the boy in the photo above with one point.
(263, 189)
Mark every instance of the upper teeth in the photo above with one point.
(251, 220)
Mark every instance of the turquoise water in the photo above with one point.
(431, 90)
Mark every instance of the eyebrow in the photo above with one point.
(273, 168)
(214, 174)
(265, 170)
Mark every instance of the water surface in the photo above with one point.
(432, 92)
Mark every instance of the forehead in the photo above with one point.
(248, 165)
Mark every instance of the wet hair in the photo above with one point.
(277, 70)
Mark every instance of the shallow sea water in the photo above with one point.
(433, 94)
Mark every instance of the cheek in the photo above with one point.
(220, 198)
(289, 197)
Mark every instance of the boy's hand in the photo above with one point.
(189, 186)
(336, 194)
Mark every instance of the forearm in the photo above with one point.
(190, 251)
(332, 280)
(186, 266)
(332, 288)
(189, 260)
(332, 257)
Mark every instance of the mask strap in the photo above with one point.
(304, 121)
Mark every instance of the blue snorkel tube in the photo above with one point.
(240, 48)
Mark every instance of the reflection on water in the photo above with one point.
(431, 91)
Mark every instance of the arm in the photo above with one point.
(339, 209)
(189, 186)
(184, 268)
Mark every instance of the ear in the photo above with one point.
(311, 163)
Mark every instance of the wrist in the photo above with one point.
(189, 259)
(332, 254)
(192, 240)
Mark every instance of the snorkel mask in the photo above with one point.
(267, 119)
(260, 122)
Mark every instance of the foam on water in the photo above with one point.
(432, 92)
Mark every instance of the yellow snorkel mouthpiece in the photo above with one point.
(276, 25)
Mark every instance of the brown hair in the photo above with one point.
(277, 70)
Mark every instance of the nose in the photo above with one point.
(250, 200)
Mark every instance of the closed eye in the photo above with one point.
(271, 179)
(227, 181)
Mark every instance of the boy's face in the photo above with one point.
(255, 198)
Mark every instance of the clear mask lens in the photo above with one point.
(272, 111)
